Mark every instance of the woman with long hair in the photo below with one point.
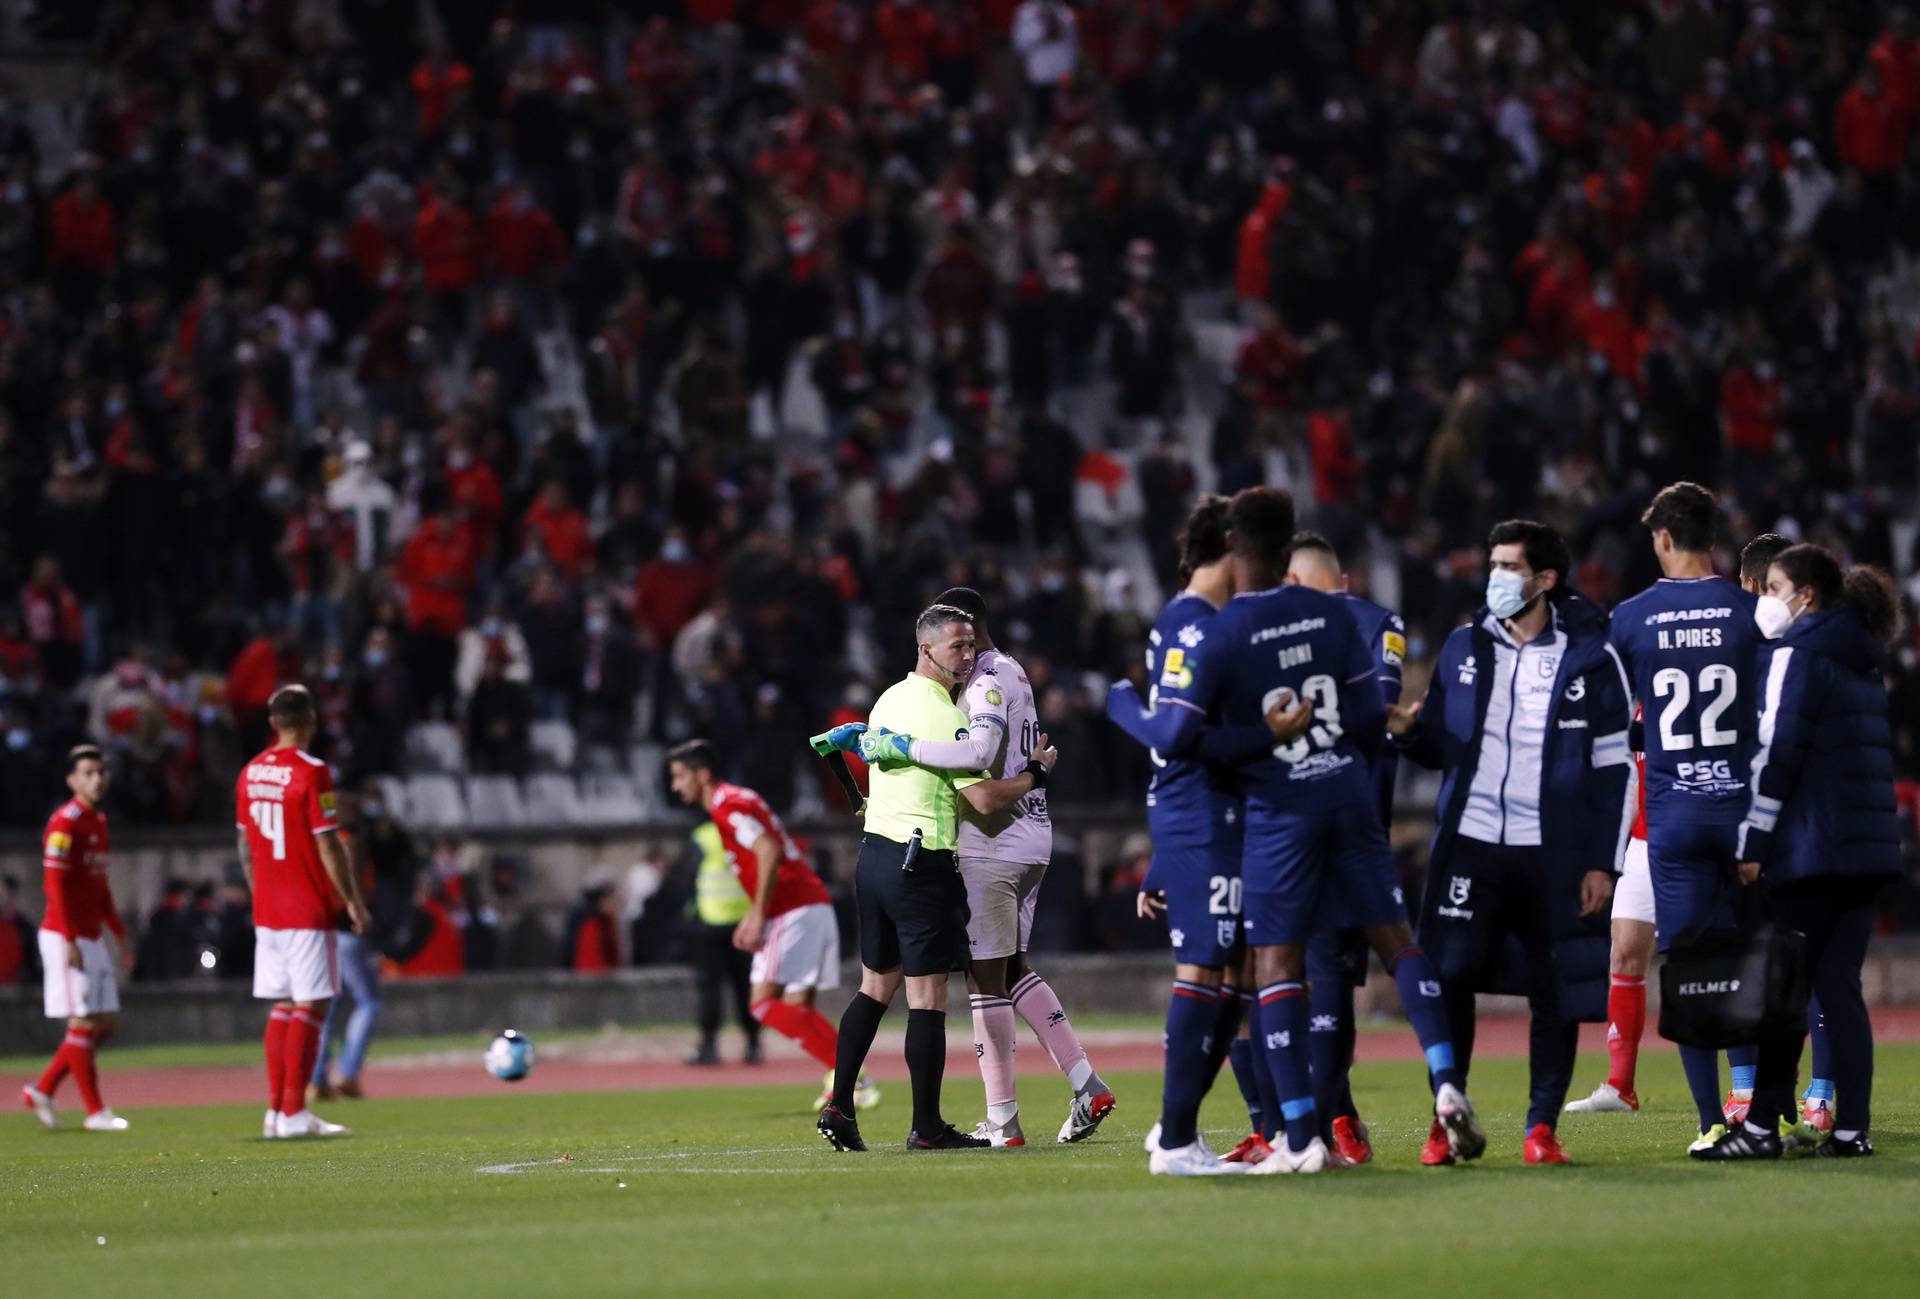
(1821, 830)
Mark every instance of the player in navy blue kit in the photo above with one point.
(1315, 855)
(1337, 959)
(1688, 644)
(1193, 815)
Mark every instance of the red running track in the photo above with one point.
(148, 1088)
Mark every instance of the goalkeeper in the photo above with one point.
(912, 904)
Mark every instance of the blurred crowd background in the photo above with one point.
(645, 366)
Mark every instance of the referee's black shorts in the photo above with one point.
(915, 923)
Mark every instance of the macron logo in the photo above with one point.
(1279, 1041)
(1429, 987)
(1708, 987)
(1325, 1023)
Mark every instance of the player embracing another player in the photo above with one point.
(1315, 856)
(301, 879)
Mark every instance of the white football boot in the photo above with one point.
(42, 1106)
(105, 1120)
(308, 1124)
(1195, 1159)
(1313, 1159)
(1465, 1137)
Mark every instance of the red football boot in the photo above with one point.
(1252, 1149)
(1438, 1151)
(1350, 1144)
(1543, 1147)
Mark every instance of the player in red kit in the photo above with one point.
(789, 926)
(78, 970)
(301, 879)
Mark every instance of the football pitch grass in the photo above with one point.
(727, 1191)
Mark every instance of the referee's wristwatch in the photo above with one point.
(1038, 770)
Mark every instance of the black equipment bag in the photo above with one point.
(1734, 987)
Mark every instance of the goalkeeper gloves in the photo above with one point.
(845, 738)
(881, 745)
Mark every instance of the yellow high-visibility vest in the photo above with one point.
(717, 894)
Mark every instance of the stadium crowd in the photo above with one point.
(868, 299)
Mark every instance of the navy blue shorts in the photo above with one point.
(1314, 869)
(1695, 884)
(1338, 956)
(1202, 882)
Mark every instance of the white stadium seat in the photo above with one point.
(552, 800)
(610, 800)
(435, 747)
(553, 745)
(493, 802)
(436, 803)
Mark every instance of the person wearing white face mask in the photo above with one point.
(1527, 715)
(1821, 830)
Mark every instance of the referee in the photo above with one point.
(912, 905)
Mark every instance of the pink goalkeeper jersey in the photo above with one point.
(998, 694)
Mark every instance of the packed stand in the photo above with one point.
(647, 367)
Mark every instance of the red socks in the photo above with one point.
(277, 1025)
(1626, 1019)
(302, 1049)
(75, 1057)
(802, 1024)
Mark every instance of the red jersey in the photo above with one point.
(282, 801)
(743, 818)
(1640, 786)
(73, 857)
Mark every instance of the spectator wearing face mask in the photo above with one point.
(380, 706)
(603, 697)
(495, 633)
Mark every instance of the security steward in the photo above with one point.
(911, 902)
(720, 968)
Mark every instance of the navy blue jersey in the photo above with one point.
(1265, 645)
(1386, 639)
(1689, 648)
(1187, 802)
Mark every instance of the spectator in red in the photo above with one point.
(381, 235)
(671, 588)
(54, 625)
(1558, 290)
(1870, 129)
(1336, 469)
(1896, 57)
(1268, 363)
(562, 529)
(449, 252)
(440, 86)
(437, 570)
(1751, 405)
(905, 33)
(1253, 266)
(523, 240)
(1604, 325)
(659, 63)
(19, 661)
(82, 242)
(473, 488)
(443, 952)
(268, 662)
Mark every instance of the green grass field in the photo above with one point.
(728, 1192)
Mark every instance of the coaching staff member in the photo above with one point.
(912, 904)
(1822, 831)
(1527, 716)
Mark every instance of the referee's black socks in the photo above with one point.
(857, 1026)
(927, 1066)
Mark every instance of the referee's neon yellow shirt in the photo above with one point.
(903, 796)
